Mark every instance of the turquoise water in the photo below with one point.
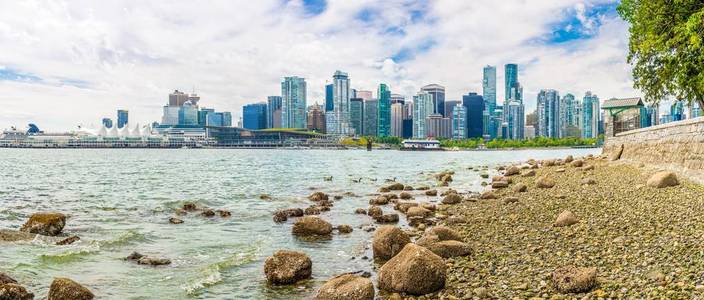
(120, 200)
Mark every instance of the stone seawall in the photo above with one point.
(677, 146)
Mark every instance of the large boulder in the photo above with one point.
(310, 225)
(512, 170)
(395, 187)
(346, 287)
(499, 184)
(577, 163)
(375, 211)
(5, 279)
(487, 195)
(445, 233)
(287, 267)
(520, 188)
(7, 235)
(663, 179)
(571, 279)
(544, 182)
(404, 206)
(452, 199)
(387, 218)
(67, 289)
(415, 271)
(388, 241)
(45, 223)
(14, 291)
(566, 218)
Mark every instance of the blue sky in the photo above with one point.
(87, 59)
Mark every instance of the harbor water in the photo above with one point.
(120, 200)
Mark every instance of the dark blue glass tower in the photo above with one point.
(475, 114)
(329, 102)
(254, 116)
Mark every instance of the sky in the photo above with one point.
(69, 63)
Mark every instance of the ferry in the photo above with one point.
(421, 145)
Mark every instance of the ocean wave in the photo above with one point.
(212, 274)
(74, 253)
(124, 238)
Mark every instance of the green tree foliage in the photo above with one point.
(665, 47)
(538, 142)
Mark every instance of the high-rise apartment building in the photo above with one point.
(590, 116)
(383, 127)
(511, 79)
(371, 117)
(329, 101)
(475, 114)
(254, 116)
(273, 112)
(515, 118)
(397, 116)
(437, 93)
(549, 113)
(459, 122)
(423, 107)
(397, 98)
(357, 115)
(293, 102)
(449, 106)
(489, 88)
(438, 126)
(339, 118)
(123, 117)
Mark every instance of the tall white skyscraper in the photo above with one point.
(422, 108)
(339, 119)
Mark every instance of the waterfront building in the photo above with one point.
(254, 116)
(365, 95)
(203, 116)
(437, 93)
(590, 116)
(511, 79)
(273, 112)
(357, 115)
(548, 113)
(515, 120)
(383, 127)
(107, 122)
(170, 115)
(316, 119)
(422, 108)
(370, 117)
(123, 117)
(475, 114)
(397, 98)
(329, 100)
(293, 102)
(623, 115)
(438, 126)
(397, 119)
(459, 121)
(188, 114)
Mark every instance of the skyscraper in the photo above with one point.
(123, 118)
(339, 120)
(489, 88)
(273, 110)
(437, 93)
(449, 106)
(572, 115)
(590, 116)
(511, 78)
(397, 98)
(475, 114)
(357, 115)
(549, 113)
(397, 119)
(370, 117)
(515, 118)
(178, 98)
(254, 116)
(383, 127)
(329, 102)
(459, 122)
(107, 122)
(422, 108)
(438, 126)
(293, 102)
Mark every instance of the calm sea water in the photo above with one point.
(120, 200)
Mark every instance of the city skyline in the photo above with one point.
(92, 60)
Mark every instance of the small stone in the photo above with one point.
(311, 210)
(344, 229)
(395, 187)
(360, 211)
(374, 211)
(318, 196)
(153, 261)
(190, 206)
(509, 200)
(488, 195)
(512, 170)
(588, 181)
(499, 184)
(572, 279)
(405, 195)
(174, 220)
(45, 223)
(530, 173)
(265, 197)
(520, 188)
(310, 225)
(663, 179)
(208, 213)
(68, 240)
(452, 199)
(544, 182)
(279, 216)
(566, 218)
(346, 287)
(431, 193)
(577, 163)
(387, 218)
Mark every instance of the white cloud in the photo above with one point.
(133, 53)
